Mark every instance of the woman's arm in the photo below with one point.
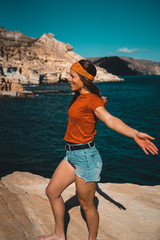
(114, 123)
(142, 139)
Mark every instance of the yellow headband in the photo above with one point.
(79, 69)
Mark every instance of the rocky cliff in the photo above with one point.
(127, 66)
(127, 211)
(41, 60)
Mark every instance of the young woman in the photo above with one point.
(82, 163)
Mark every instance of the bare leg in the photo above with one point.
(86, 193)
(61, 179)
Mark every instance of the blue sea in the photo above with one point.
(32, 131)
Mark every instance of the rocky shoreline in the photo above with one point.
(127, 211)
(44, 60)
(10, 88)
(13, 89)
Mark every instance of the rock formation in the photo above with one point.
(127, 211)
(127, 66)
(41, 60)
(10, 85)
(12, 88)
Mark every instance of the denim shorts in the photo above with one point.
(86, 162)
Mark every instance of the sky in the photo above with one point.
(97, 28)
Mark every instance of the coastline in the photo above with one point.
(29, 94)
(13, 94)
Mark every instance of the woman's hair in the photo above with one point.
(88, 84)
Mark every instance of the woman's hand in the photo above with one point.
(104, 99)
(143, 140)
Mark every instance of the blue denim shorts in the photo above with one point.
(87, 163)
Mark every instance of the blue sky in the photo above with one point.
(94, 28)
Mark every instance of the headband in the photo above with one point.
(79, 69)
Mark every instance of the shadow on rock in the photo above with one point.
(103, 194)
(74, 202)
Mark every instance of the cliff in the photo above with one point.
(127, 211)
(127, 66)
(42, 60)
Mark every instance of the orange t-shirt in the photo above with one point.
(82, 120)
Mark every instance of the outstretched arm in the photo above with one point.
(142, 139)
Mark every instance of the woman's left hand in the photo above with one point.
(105, 101)
(143, 140)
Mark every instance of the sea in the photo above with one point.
(32, 131)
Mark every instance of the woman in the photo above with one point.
(83, 163)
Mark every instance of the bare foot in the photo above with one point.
(51, 237)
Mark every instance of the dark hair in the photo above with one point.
(91, 69)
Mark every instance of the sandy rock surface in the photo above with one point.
(127, 211)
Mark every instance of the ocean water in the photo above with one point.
(32, 131)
